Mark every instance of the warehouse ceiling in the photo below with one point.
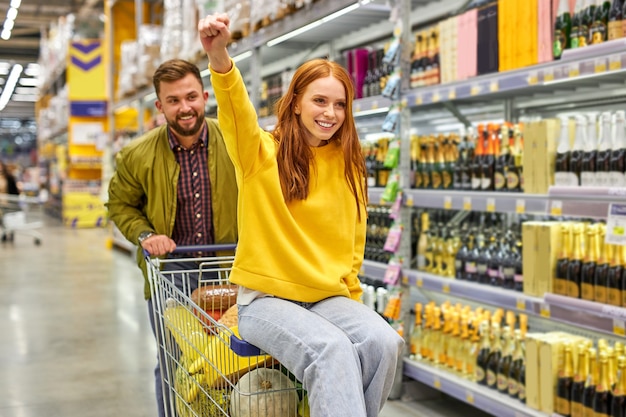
(20, 37)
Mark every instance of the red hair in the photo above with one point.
(294, 154)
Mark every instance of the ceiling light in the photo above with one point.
(12, 13)
(10, 85)
(6, 34)
(16, 3)
(29, 82)
(8, 25)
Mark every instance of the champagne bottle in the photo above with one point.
(562, 174)
(489, 160)
(516, 365)
(503, 156)
(466, 172)
(564, 383)
(589, 265)
(514, 172)
(588, 173)
(603, 163)
(602, 268)
(495, 354)
(599, 31)
(560, 280)
(602, 398)
(422, 243)
(616, 14)
(575, 32)
(618, 153)
(482, 360)
(590, 383)
(614, 277)
(618, 402)
(504, 367)
(562, 29)
(578, 151)
(578, 384)
(574, 266)
(586, 22)
(477, 162)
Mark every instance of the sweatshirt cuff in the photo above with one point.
(224, 80)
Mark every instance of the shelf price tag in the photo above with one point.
(409, 201)
(520, 304)
(405, 280)
(469, 397)
(475, 90)
(556, 208)
(357, 107)
(616, 224)
(615, 62)
(491, 205)
(544, 311)
(374, 105)
(533, 79)
(436, 97)
(548, 75)
(520, 206)
(619, 327)
(494, 86)
(436, 382)
(447, 202)
(420, 282)
(419, 100)
(452, 94)
(574, 70)
(600, 65)
(467, 203)
(445, 288)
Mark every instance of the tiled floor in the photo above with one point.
(74, 335)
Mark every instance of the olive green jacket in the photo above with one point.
(142, 192)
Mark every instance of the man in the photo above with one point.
(175, 185)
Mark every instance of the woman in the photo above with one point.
(302, 219)
(8, 185)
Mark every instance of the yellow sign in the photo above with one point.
(86, 71)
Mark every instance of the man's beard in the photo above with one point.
(176, 127)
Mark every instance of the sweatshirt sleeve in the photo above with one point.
(352, 281)
(247, 144)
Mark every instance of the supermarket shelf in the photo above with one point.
(604, 62)
(481, 293)
(375, 195)
(479, 396)
(584, 201)
(373, 270)
(588, 314)
(479, 201)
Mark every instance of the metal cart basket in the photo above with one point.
(207, 369)
(20, 214)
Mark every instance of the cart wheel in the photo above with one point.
(37, 241)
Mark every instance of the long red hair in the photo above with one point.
(294, 154)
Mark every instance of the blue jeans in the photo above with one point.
(343, 352)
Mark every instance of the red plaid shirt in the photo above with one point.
(193, 224)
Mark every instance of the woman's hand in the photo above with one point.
(215, 35)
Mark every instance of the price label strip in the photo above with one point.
(419, 100)
(521, 304)
(533, 79)
(544, 311)
(494, 87)
(556, 208)
(452, 94)
(409, 201)
(420, 282)
(447, 202)
(548, 75)
(619, 327)
(615, 62)
(616, 224)
(467, 203)
(600, 65)
(574, 70)
(475, 90)
(491, 205)
(437, 382)
(469, 397)
(520, 206)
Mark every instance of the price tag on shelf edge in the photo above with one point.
(420, 282)
(548, 75)
(447, 202)
(409, 201)
(520, 206)
(556, 208)
(600, 65)
(494, 87)
(521, 304)
(619, 327)
(544, 310)
(419, 100)
(615, 62)
(374, 105)
(475, 90)
(616, 224)
(445, 288)
(469, 396)
(574, 70)
(452, 94)
(533, 79)
(467, 203)
(491, 205)
(436, 97)
(436, 382)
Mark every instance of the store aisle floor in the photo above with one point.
(75, 339)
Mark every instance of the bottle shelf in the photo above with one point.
(560, 201)
(603, 62)
(481, 397)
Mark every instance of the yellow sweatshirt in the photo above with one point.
(306, 250)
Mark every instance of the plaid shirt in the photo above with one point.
(193, 225)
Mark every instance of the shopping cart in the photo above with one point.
(207, 369)
(20, 214)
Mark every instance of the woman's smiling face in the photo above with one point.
(322, 109)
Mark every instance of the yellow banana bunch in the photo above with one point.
(187, 330)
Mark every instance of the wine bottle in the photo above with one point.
(578, 150)
(477, 161)
(602, 398)
(578, 384)
(504, 366)
(616, 14)
(482, 360)
(514, 172)
(602, 268)
(562, 29)
(575, 31)
(416, 333)
(614, 277)
(589, 264)
(574, 265)
(618, 402)
(562, 174)
(489, 160)
(590, 383)
(618, 153)
(599, 31)
(503, 153)
(423, 243)
(603, 163)
(560, 280)
(586, 22)
(495, 354)
(588, 171)
(564, 383)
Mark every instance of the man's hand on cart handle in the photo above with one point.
(158, 245)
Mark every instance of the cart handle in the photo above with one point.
(198, 248)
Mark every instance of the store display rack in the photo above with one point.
(484, 398)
